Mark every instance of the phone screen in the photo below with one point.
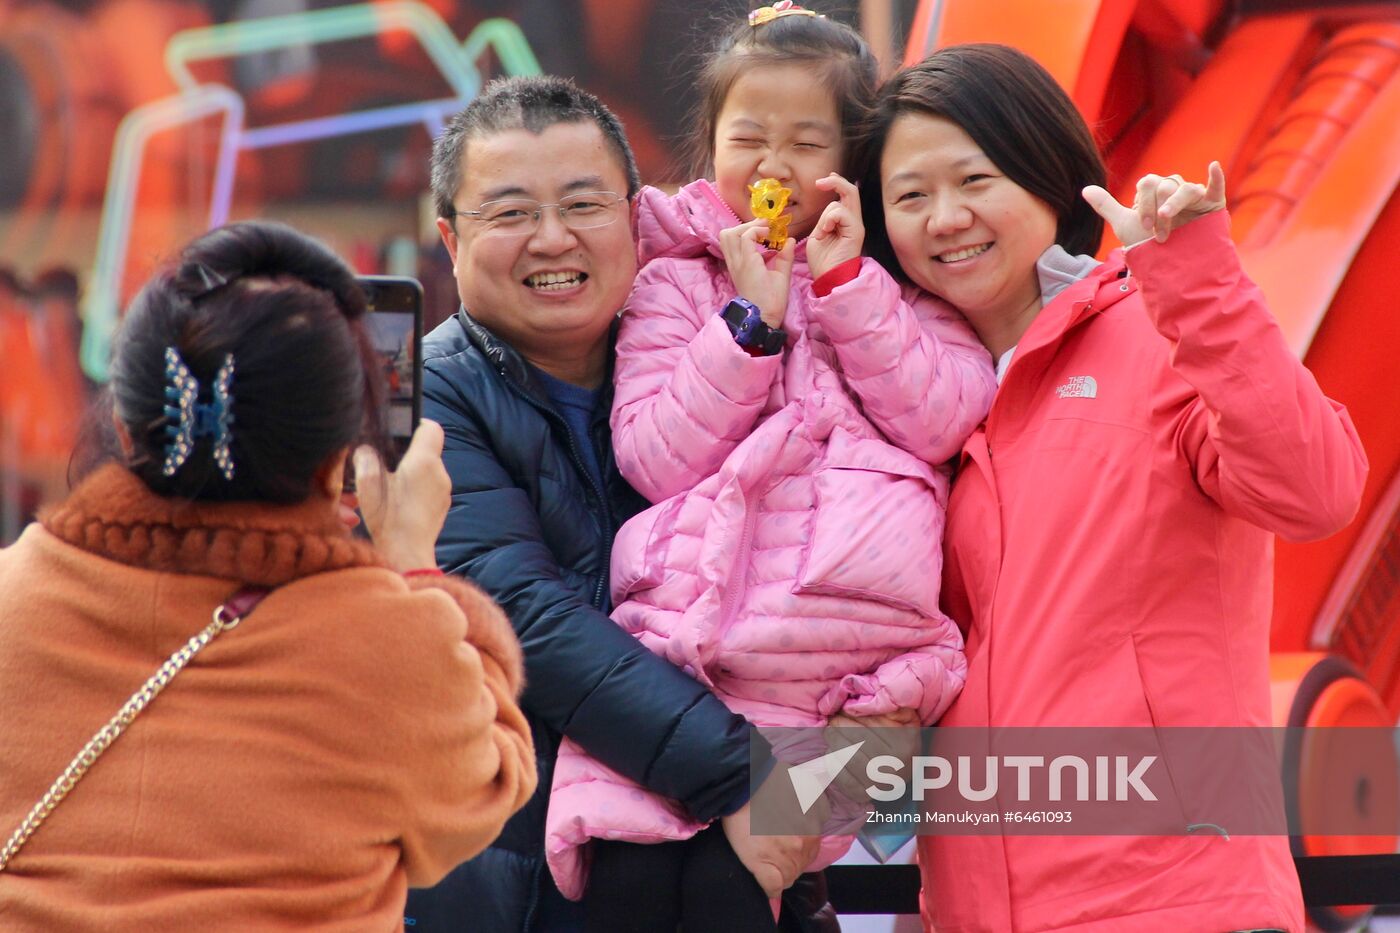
(396, 331)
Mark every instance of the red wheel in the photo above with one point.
(1325, 781)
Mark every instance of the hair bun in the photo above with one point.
(266, 249)
(283, 306)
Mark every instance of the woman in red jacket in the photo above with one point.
(1109, 542)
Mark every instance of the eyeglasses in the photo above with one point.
(519, 217)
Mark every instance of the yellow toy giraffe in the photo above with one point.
(768, 202)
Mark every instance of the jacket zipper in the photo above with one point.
(991, 478)
(729, 605)
(606, 519)
(528, 924)
(606, 507)
(605, 522)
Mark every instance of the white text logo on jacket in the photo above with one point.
(1079, 387)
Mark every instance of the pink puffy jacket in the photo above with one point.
(792, 560)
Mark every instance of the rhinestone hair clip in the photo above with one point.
(194, 419)
(766, 14)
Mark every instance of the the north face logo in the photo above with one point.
(1079, 387)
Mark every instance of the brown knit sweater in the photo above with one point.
(356, 734)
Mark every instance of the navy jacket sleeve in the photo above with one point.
(584, 676)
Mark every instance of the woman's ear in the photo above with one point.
(330, 476)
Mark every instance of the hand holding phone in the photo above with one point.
(404, 509)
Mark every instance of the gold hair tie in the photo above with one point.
(766, 14)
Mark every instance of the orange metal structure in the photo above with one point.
(1301, 104)
(1299, 99)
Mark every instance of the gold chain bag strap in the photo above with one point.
(226, 617)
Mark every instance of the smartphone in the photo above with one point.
(395, 327)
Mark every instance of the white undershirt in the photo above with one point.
(1056, 270)
(1003, 362)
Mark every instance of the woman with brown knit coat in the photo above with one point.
(354, 734)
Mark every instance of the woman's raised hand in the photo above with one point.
(758, 282)
(1162, 204)
(840, 232)
(404, 510)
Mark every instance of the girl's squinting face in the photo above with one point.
(779, 121)
(960, 228)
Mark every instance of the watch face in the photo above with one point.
(745, 323)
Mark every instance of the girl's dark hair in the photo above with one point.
(1016, 113)
(838, 55)
(305, 381)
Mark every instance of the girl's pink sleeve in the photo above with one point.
(921, 375)
(686, 393)
(926, 679)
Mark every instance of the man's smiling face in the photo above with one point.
(553, 287)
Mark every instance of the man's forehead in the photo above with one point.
(561, 159)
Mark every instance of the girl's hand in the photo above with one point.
(1163, 203)
(764, 285)
(893, 734)
(840, 232)
(893, 719)
(404, 510)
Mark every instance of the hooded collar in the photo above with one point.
(505, 358)
(508, 361)
(1104, 286)
(114, 515)
(1057, 269)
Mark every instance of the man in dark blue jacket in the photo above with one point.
(533, 185)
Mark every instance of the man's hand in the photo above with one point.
(1162, 204)
(404, 510)
(774, 861)
(896, 718)
(840, 233)
(756, 281)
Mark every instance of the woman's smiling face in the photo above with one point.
(960, 228)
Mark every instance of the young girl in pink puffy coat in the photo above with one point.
(790, 413)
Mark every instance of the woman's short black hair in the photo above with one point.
(1016, 113)
(305, 384)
